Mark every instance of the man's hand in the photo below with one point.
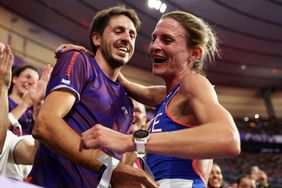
(125, 176)
(100, 136)
(6, 61)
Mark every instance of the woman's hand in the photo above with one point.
(67, 47)
(102, 137)
(6, 62)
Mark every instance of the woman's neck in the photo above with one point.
(176, 79)
(16, 97)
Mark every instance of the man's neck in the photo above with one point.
(110, 72)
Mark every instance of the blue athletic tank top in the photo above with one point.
(167, 167)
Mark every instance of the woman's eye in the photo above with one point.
(167, 41)
(27, 76)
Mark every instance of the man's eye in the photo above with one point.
(132, 36)
(117, 31)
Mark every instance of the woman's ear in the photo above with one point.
(196, 54)
(14, 79)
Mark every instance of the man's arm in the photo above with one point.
(6, 61)
(51, 129)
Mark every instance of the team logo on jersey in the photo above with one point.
(71, 63)
(124, 110)
(155, 122)
(65, 81)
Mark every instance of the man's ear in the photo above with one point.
(96, 38)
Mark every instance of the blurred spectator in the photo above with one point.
(216, 178)
(268, 133)
(262, 179)
(139, 117)
(234, 167)
(254, 172)
(20, 101)
(15, 150)
(246, 182)
(139, 122)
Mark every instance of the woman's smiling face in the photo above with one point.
(25, 81)
(168, 48)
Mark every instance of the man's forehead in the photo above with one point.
(121, 20)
